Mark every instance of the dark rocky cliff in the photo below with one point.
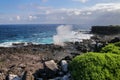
(108, 30)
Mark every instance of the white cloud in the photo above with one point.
(32, 17)
(77, 12)
(93, 14)
(43, 7)
(62, 18)
(83, 1)
(18, 18)
(105, 6)
(48, 12)
(102, 13)
(11, 19)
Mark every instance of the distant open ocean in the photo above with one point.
(35, 33)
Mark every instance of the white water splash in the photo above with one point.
(65, 33)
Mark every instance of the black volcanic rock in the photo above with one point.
(116, 39)
(51, 68)
(105, 30)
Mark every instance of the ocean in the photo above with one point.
(35, 33)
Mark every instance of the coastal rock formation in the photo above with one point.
(50, 68)
(53, 71)
(116, 39)
(47, 61)
(106, 30)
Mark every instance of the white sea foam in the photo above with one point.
(10, 44)
(6, 44)
(65, 33)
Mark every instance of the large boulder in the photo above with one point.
(64, 65)
(51, 68)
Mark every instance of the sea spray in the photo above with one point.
(65, 33)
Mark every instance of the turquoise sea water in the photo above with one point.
(35, 33)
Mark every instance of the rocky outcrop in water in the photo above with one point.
(106, 30)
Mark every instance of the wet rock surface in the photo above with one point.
(35, 61)
(46, 61)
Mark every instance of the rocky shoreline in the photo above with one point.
(106, 30)
(46, 61)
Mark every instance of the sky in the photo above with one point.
(89, 12)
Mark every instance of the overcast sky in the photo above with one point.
(95, 12)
